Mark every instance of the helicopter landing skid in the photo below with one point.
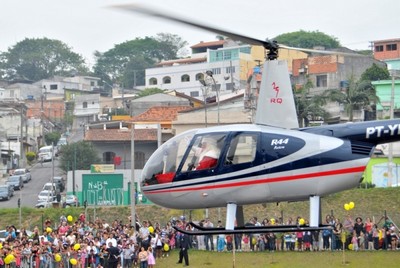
(199, 230)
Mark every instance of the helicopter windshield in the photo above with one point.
(163, 163)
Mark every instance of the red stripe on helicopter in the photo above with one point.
(266, 180)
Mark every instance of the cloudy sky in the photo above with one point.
(90, 25)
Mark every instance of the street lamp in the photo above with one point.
(210, 74)
(204, 90)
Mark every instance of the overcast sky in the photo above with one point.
(90, 25)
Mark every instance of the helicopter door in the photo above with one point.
(242, 151)
(203, 157)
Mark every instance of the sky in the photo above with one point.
(92, 25)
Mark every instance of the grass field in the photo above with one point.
(325, 259)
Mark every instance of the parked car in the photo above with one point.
(5, 192)
(16, 182)
(71, 201)
(60, 182)
(25, 173)
(44, 204)
(55, 187)
(46, 195)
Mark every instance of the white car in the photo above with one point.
(24, 173)
(46, 195)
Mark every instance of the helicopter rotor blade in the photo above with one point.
(152, 12)
(267, 44)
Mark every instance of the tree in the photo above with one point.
(126, 62)
(375, 73)
(309, 107)
(357, 95)
(41, 58)
(305, 39)
(149, 91)
(52, 137)
(78, 156)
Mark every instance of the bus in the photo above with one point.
(46, 153)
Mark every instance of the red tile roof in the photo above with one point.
(160, 114)
(209, 44)
(120, 135)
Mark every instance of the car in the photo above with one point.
(46, 195)
(25, 173)
(60, 181)
(16, 182)
(44, 204)
(55, 187)
(5, 192)
(71, 201)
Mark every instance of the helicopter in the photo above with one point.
(272, 160)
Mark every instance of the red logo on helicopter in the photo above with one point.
(276, 99)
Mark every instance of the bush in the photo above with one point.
(30, 156)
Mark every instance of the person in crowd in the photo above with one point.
(184, 246)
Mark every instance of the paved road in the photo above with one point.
(28, 194)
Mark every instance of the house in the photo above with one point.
(331, 72)
(388, 51)
(226, 61)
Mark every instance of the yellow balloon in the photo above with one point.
(57, 257)
(151, 229)
(9, 259)
(346, 206)
(69, 218)
(77, 246)
(351, 246)
(343, 237)
(1, 246)
(301, 221)
(254, 241)
(73, 261)
(351, 205)
(49, 230)
(272, 221)
(166, 247)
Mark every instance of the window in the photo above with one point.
(194, 94)
(153, 81)
(230, 69)
(92, 84)
(216, 70)
(167, 80)
(242, 149)
(84, 104)
(379, 48)
(205, 153)
(108, 157)
(216, 87)
(54, 87)
(230, 86)
(199, 76)
(322, 80)
(185, 78)
(391, 47)
(139, 160)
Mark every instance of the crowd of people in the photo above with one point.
(98, 244)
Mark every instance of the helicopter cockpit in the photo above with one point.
(187, 154)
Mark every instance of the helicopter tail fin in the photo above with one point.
(275, 105)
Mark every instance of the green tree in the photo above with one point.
(126, 62)
(375, 73)
(149, 91)
(306, 39)
(357, 95)
(78, 156)
(309, 107)
(52, 138)
(41, 58)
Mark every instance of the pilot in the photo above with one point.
(208, 157)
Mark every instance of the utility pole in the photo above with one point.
(133, 192)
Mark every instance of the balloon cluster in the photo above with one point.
(349, 206)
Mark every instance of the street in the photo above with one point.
(28, 194)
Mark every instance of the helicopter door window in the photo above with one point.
(242, 149)
(204, 153)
